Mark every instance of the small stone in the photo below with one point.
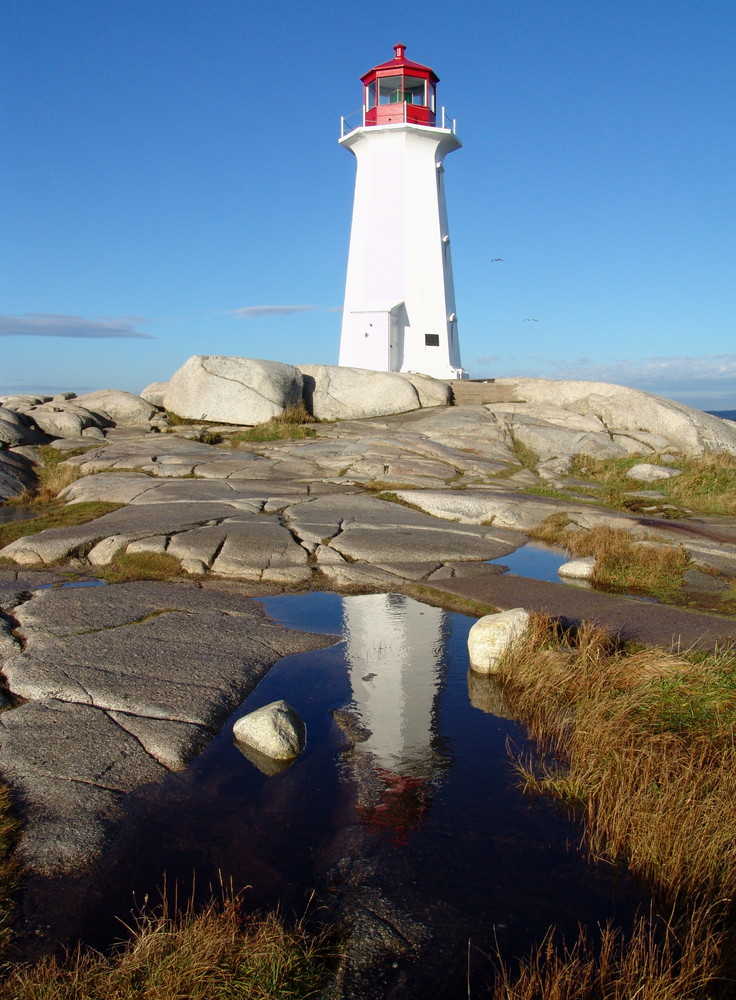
(276, 730)
(578, 569)
(648, 473)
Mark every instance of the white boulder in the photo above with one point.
(578, 569)
(232, 390)
(645, 472)
(334, 393)
(276, 731)
(154, 393)
(494, 635)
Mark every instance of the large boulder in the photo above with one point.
(335, 393)
(493, 635)
(232, 390)
(626, 414)
(121, 408)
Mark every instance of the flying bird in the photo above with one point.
(496, 260)
(530, 319)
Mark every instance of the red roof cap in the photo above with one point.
(400, 61)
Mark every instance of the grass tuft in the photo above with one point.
(53, 475)
(623, 563)
(214, 954)
(657, 962)
(646, 740)
(128, 566)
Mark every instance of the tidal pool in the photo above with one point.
(427, 800)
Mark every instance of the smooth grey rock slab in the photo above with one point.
(128, 524)
(512, 511)
(154, 393)
(126, 682)
(69, 766)
(622, 409)
(258, 547)
(16, 474)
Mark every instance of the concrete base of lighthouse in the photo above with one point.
(399, 312)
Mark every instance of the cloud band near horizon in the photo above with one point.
(54, 325)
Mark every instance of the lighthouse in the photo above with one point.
(399, 313)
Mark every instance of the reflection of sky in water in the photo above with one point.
(535, 560)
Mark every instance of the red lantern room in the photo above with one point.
(400, 91)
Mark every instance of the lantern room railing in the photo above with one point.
(357, 119)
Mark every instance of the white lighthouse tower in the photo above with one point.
(399, 312)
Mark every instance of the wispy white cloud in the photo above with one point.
(53, 325)
(248, 312)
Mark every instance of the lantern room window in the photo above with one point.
(401, 89)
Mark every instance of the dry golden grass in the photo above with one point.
(656, 962)
(623, 563)
(9, 869)
(641, 744)
(644, 741)
(214, 954)
(53, 475)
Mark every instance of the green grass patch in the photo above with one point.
(706, 484)
(62, 517)
(128, 566)
(271, 431)
(526, 458)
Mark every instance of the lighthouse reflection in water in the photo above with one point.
(395, 651)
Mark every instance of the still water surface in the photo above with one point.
(428, 799)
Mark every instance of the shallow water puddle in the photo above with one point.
(426, 798)
(535, 560)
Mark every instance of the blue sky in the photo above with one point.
(173, 185)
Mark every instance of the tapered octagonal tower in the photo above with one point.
(399, 312)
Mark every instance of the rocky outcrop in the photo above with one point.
(232, 390)
(637, 422)
(120, 408)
